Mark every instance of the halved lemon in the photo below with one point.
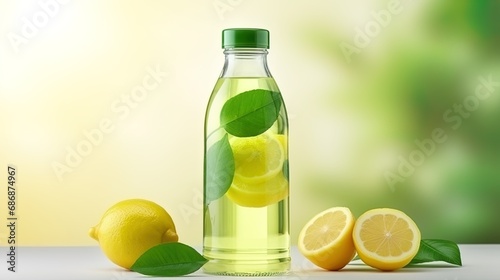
(386, 239)
(326, 240)
(258, 158)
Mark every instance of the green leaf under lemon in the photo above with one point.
(219, 169)
(432, 250)
(250, 113)
(169, 259)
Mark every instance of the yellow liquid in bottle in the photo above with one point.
(250, 240)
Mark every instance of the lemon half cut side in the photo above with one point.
(326, 240)
(386, 239)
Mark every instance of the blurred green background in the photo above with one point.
(363, 81)
(397, 90)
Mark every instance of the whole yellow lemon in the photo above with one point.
(131, 227)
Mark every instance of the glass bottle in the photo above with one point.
(246, 205)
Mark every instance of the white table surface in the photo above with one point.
(479, 262)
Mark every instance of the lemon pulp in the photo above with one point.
(386, 238)
(326, 240)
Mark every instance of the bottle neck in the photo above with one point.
(243, 62)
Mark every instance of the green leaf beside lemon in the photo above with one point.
(432, 250)
(169, 259)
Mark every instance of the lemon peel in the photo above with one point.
(131, 227)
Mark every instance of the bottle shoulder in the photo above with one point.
(231, 86)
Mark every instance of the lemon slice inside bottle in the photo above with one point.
(258, 179)
(259, 194)
(258, 158)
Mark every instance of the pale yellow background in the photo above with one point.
(73, 72)
(65, 79)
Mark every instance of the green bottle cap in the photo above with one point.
(245, 38)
